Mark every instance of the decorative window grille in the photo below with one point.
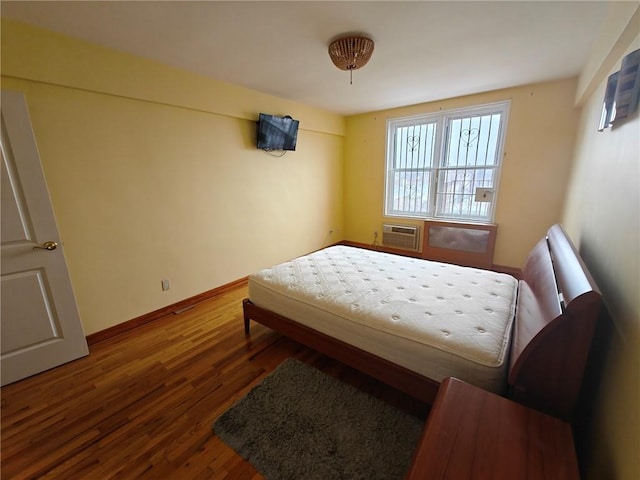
(446, 165)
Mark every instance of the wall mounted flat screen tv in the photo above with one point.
(277, 133)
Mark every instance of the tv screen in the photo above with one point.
(277, 133)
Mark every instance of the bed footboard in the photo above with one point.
(407, 381)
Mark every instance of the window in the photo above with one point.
(446, 165)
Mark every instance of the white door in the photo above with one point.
(40, 326)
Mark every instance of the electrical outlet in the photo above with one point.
(165, 285)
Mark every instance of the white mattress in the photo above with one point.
(436, 319)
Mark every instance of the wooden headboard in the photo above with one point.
(558, 306)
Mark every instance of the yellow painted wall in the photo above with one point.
(153, 173)
(602, 215)
(538, 152)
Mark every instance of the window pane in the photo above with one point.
(457, 192)
(410, 192)
(472, 141)
(414, 146)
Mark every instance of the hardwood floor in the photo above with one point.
(141, 405)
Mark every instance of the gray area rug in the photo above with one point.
(302, 424)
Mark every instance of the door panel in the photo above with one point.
(14, 226)
(26, 325)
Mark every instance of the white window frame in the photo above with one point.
(442, 121)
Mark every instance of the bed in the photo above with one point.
(411, 323)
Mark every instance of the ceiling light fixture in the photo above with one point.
(351, 52)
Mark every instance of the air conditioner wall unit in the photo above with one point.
(406, 237)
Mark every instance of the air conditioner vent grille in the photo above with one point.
(406, 237)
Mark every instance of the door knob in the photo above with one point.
(47, 246)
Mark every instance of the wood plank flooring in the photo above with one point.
(141, 405)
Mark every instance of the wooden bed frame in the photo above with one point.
(557, 308)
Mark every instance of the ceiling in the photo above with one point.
(424, 50)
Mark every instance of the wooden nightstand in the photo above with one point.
(474, 434)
